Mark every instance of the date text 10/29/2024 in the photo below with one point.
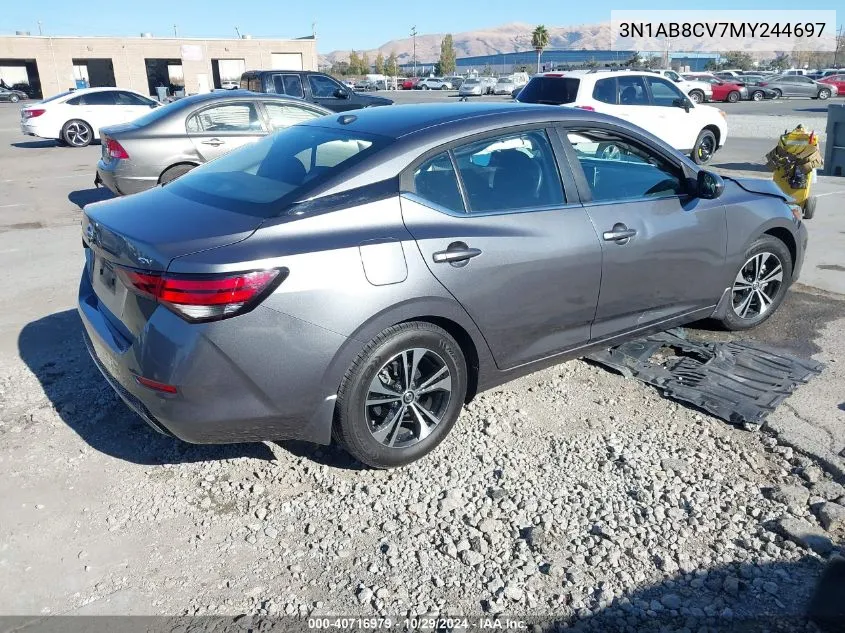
(434, 623)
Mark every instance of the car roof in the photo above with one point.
(444, 119)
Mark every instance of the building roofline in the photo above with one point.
(157, 39)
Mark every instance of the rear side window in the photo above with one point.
(230, 117)
(435, 181)
(605, 90)
(293, 86)
(284, 115)
(130, 99)
(552, 90)
(632, 91)
(258, 176)
(106, 97)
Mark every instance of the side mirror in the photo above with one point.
(710, 185)
(682, 103)
(340, 93)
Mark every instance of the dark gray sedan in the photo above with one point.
(12, 96)
(798, 86)
(170, 141)
(361, 276)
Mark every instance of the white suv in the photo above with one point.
(434, 83)
(698, 91)
(643, 98)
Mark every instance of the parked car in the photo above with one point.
(472, 87)
(456, 81)
(338, 280)
(489, 84)
(230, 85)
(433, 83)
(12, 96)
(799, 86)
(75, 117)
(169, 142)
(366, 85)
(504, 86)
(697, 91)
(410, 83)
(837, 81)
(315, 87)
(757, 91)
(723, 90)
(645, 99)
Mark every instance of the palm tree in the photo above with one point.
(539, 40)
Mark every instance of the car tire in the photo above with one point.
(778, 93)
(425, 87)
(733, 96)
(77, 133)
(824, 94)
(704, 148)
(766, 259)
(757, 95)
(14, 99)
(444, 87)
(172, 173)
(697, 96)
(809, 208)
(370, 432)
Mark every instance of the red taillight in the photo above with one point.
(204, 297)
(155, 385)
(590, 108)
(115, 150)
(31, 114)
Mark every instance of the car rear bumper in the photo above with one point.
(119, 183)
(31, 127)
(255, 377)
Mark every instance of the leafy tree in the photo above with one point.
(340, 68)
(539, 40)
(633, 60)
(738, 59)
(592, 63)
(379, 66)
(392, 65)
(712, 64)
(365, 64)
(447, 56)
(354, 64)
(654, 62)
(487, 71)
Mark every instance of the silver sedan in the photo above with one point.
(170, 141)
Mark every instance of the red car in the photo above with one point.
(722, 90)
(410, 83)
(835, 80)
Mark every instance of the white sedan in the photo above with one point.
(75, 117)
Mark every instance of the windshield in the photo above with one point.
(505, 80)
(553, 90)
(256, 177)
(471, 82)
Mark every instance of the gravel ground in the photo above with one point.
(572, 493)
(755, 126)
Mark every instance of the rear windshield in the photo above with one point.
(58, 96)
(552, 90)
(256, 178)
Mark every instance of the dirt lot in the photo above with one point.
(571, 493)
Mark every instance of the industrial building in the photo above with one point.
(50, 65)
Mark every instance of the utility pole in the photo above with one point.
(314, 29)
(175, 31)
(40, 32)
(238, 32)
(414, 35)
(840, 44)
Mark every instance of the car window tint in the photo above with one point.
(293, 86)
(322, 87)
(664, 93)
(284, 115)
(618, 169)
(553, 90)
(73, 101)
(278, 84)
(509, 173)
(128, 99)
(632, 91)
(605, 90)
(435, 181)
(230, 117)
(104, 97)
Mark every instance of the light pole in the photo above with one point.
(414, 36)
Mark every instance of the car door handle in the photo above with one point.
(457, 253)
(619, 234)
(214, 141)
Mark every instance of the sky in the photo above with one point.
(341, 24)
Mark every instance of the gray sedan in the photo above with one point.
(798, 86)
(170, 141)
(359, 277)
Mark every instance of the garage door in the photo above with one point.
(286, 61)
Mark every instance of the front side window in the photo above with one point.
(664, 93)
(260, 174)
(632, 91)
(509, 173)
(435, 181)
(616, 168)
(605, 90)
(322, 87)
(284, 115)
(226, 118)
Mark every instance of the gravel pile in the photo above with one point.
(571, 493)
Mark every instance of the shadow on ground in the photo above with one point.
(88, 196)
(36, 144)
(332, 456)
(53, 349)
(743, 167)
